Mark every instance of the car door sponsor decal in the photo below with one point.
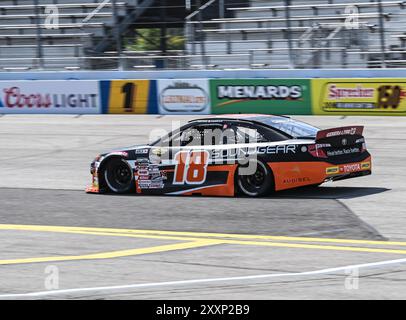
(191, 167)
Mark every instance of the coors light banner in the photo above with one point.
(50, 97)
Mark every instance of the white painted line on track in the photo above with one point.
(45, 294)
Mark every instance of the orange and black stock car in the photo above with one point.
(251, 155)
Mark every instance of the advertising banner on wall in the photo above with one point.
(268, 96)
(359, 96)
(183, 96)
(50, 97)
(128, 96)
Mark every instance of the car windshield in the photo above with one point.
(296, 129)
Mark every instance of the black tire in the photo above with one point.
(313, 186)
(258, 184)
(119, 176)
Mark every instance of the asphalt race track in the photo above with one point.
(343, 240)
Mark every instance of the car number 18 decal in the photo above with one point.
(191, 167)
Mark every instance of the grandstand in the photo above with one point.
(218, 34)
(78, 34)
(304, 34)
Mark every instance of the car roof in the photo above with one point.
(238, 117)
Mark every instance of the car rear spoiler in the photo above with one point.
(339, 132)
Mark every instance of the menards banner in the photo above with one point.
(381, 96)
(268, 96)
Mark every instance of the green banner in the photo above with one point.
(268, 96)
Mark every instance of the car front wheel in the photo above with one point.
(119, 176)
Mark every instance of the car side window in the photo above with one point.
(190, 137)
(215, 134)
(247, 134)
(202, 135)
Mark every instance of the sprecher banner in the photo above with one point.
(359, 96)
(268, 96)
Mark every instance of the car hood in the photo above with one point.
(126, 149)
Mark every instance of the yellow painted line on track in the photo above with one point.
(313, 246)
(263, 237)
(180, 235)
(194, 240)
(113, 254)
(126, 235)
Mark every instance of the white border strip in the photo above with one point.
(44, 294)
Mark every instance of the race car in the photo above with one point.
(228, 155)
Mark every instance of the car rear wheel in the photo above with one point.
(258, 182)
(119, 176)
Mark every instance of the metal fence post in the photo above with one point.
(288, 34)
(382, 33)
(164, 27)
(201, 35)
(190, 34)
(221, 9)
(344, 58)
(117, 35)
(40, 54)
(250, 58)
